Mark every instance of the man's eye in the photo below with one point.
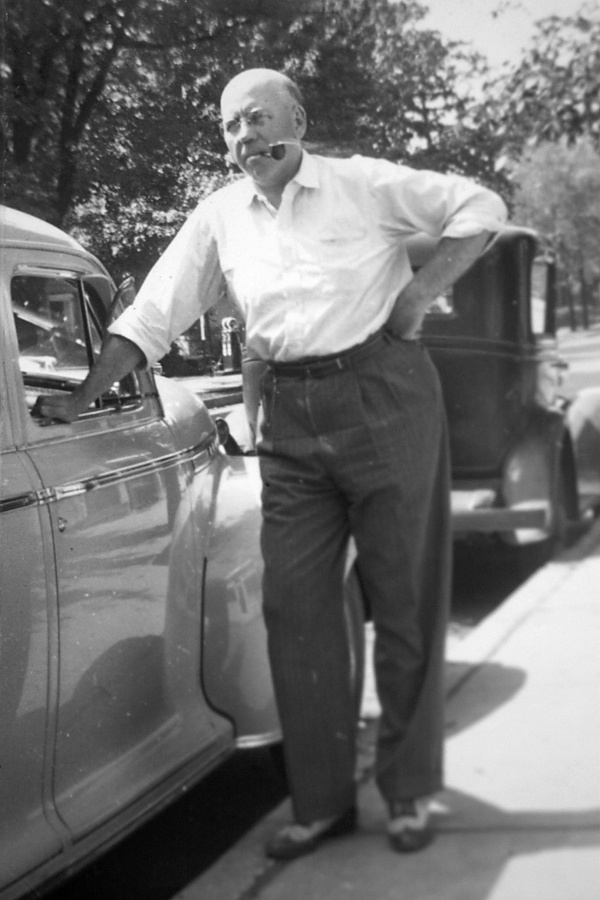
(232, 126)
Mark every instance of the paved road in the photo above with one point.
(581, 349)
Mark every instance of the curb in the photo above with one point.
(219, 400)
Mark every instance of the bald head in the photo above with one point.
(263, 79)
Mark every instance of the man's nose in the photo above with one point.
(247, 131)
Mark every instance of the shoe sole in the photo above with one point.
(287, 849)
(411, 840)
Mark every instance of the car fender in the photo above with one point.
(541, 469)
(235, 668)
(583, 419)
(187, 417)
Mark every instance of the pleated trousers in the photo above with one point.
(356, 445)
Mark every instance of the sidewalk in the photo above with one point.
(520, 818)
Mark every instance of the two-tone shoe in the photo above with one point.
(409, 827)
(296, 840)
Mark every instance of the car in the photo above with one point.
(132, 643)
(492, 338)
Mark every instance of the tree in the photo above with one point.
(557, 192)
(58, 59)
(555, 90)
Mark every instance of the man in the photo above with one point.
(353, 441)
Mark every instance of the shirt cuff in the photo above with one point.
(149, 339)
(469, 227)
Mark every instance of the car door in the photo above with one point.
(28, 836)
(130, 710)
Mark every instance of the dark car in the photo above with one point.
(492, 338)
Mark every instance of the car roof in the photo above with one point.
(21, 228)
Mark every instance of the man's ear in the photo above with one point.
(300, 121)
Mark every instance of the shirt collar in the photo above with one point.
(307, 176)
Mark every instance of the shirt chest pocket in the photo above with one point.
(341, 231)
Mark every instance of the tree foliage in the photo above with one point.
(555, 91)
(61, 58)
(557, 192)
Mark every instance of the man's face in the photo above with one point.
(256, 116)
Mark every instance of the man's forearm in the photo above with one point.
(451, 259)
(117, 359)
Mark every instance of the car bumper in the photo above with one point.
(475, 511)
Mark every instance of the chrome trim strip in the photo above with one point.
(503, 518)
(42, 271)
(199, 456)
(18, 501)
(252, 741)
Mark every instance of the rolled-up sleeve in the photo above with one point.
(183, 284)
(439, 205)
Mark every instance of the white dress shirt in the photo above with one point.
(317, 275)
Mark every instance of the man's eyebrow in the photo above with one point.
(233, 117)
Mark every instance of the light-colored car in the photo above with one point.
(132, 645)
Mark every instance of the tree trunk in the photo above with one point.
(66, 183)
(568, 293)
(585, 299)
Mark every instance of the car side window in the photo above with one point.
(540, 277)
(443, 305)
(58, 322)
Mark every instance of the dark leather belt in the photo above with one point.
(321, 366)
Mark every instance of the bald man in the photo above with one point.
(312, 251)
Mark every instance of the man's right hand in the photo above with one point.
(58, 408)
(117, 358)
